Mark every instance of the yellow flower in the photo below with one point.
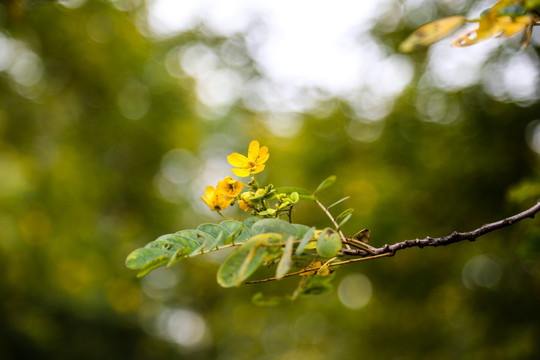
(215, 200)
(229, 187)
(243, 205)
(245, 202)
(253, 163)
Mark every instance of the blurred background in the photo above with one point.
(116, 114)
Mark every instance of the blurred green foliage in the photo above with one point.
(91, 126)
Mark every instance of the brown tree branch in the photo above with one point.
(390, 250)
(449, 239)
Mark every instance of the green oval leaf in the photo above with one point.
(329, 181)
(243, 262)
(146, 260)
(231, 225)
(214, 230)
(196, 235)
(185, 242)
(277, 226)
(328, 243)
(238, 232)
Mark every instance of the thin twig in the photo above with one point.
(336, 225)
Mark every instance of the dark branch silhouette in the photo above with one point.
(449, 239)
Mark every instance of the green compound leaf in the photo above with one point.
(328, 243)
(243, 262)
(170, 248)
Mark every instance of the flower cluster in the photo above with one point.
(228, 190)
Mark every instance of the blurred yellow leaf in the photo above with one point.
(431, 32)
(505, 18)
(324, 270)
(314, 265)
(511, 26)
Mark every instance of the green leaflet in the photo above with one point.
(243, 262)
(306, 238)
(329, 181)
(301, 230)
(344, 214)
(328, 243)
(146, 260)
(214, 230)
(277, 226)
(286, 259)
(177, 239)
(238, 232)
(205, 241)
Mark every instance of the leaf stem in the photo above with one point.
(336, 225)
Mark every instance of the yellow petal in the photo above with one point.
(238, 160)
(209, 192)
(206, 201)
(225, 202)
(253, 151)
(241, 172)
(257, 169)
(263, 155)
(229, 187)
(243, 205)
